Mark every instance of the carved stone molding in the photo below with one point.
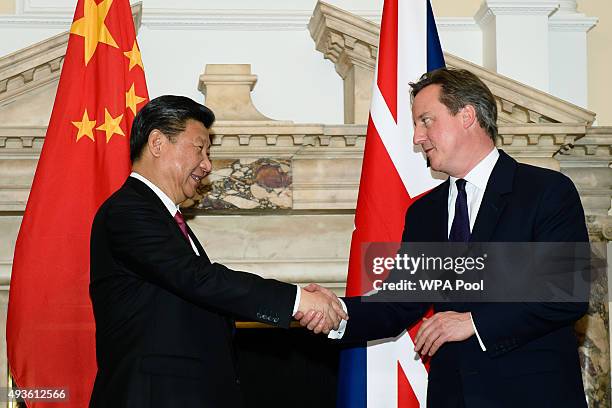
(20, 142)
(517, 103)
(351, 43)
(227, 88)
(520, 103)
(32, 67)
(38, 65)
(535, 143)
(587, 162)
(491, 8)
(578, 23)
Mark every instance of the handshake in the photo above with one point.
(319, 310)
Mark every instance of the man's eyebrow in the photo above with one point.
(422, 114)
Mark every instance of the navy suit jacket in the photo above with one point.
(531, 358)
(163, 315)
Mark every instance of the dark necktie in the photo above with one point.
(182, 224)
(460, 230)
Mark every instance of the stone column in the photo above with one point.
(509, 54)
(568, 53)
(588, 165)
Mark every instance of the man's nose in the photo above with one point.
(205, 164)
(419, 136)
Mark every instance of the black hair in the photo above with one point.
(168, 114)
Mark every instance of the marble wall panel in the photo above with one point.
(248, 184)
(298, 248)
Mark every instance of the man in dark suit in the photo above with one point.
(163, 311)
(483, 355)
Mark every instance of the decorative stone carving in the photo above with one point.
(19, 152)
(351, 43)
(536, 144)
(227, 88)
(593, 337)
(587, 162)
(517, 103)
(323, 163)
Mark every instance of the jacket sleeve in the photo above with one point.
(372, 320)
(147, 245)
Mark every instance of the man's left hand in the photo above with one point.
(441, 328)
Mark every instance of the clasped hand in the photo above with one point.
(320, 309)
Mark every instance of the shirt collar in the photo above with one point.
(479, 175)
(172, 208)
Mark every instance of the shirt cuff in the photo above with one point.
(482, 346)
(298, 297)
(337, 334)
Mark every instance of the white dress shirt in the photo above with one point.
(174, 208)
(476, 183)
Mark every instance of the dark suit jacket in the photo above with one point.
(163, 332)
(531, 358)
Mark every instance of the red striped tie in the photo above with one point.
(181, 223)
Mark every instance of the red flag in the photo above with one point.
(50, 328)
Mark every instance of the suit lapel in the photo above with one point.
(495, 198)
(439, 222)
(150, 196)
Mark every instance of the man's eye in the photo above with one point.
(426, 121)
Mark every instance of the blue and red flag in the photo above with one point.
(386, 374)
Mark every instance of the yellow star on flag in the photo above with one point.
(132, 100)
(85, 127)
(111, 125)
(91, 26)
(134, 56)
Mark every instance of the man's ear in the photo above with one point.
(468, 116)
(155, 142)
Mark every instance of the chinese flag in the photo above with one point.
(85, 157)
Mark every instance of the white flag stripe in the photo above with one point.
(412, 63)
(411, 55)
(382, 359)
(397, 136)
(409, 162)
(413, 368)
(381, 363)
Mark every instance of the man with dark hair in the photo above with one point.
(163, 311)
(483, 355)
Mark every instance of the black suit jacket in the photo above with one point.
(163, 326)
(531, 358)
